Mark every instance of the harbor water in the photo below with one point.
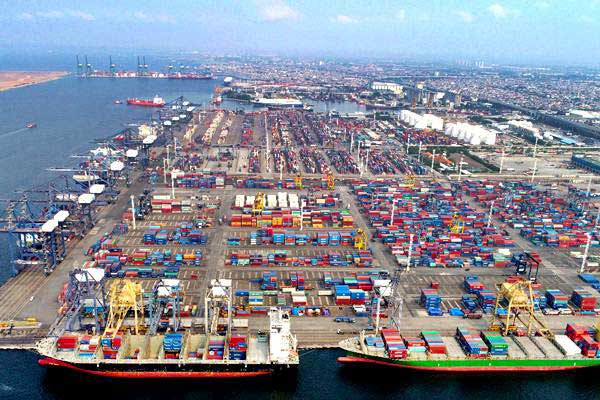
(71, 113)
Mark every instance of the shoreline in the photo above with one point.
(18, 79)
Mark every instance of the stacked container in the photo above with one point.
(394, 344)
(472, 285)
(269, 281)
(172, 343)
(342, 295)
(496, 343)
(255, 298)
(357, 296)
(88, 346)
(415, 345)
(297, 279)
(67, 343)
(238, 347)
(435, 343)
(487, 300)
(216, 347)
(471, 342)
(583, 299)
(110, 347)
(431, 300)
(557, 299)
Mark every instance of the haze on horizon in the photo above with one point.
(536, 31)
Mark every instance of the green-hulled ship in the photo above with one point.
(526, 354)
(527, 344)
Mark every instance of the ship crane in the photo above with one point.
(124, 299)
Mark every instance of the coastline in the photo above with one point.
(18, 79)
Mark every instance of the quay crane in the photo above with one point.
(516, 298)
(125, 298)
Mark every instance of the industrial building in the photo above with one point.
(586, 162)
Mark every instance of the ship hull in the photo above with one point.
(168, 371)
(474, 365)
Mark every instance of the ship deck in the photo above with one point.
(520, 348)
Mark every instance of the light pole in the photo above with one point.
(133, 211)
(501, 161)
(460, 168)
(586, 252)
(173, 184)
(489, 222)
(410, 240)
(534, 170)
(433, 162)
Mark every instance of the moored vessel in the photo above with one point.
(132, 346)
(517, 340)
(155, 102)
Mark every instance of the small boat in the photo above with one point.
(118, 102)
(31, 125)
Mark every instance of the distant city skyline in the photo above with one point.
(537, 31)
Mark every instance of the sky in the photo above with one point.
(525, 31)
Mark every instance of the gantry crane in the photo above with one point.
(125, 298)
(259, 203)
(165, 294)
(410, 181)
(360, 240)
(516, 298)
(458, 224)
(330, 181)
(298, 181)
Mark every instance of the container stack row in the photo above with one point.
(362, 258)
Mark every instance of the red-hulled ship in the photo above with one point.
(131, 347)
(155, 102)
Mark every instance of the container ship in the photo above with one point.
(132, 346)
(155, 102)
(277, 102)
(506, 347)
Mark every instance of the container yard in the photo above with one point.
(231, 239)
